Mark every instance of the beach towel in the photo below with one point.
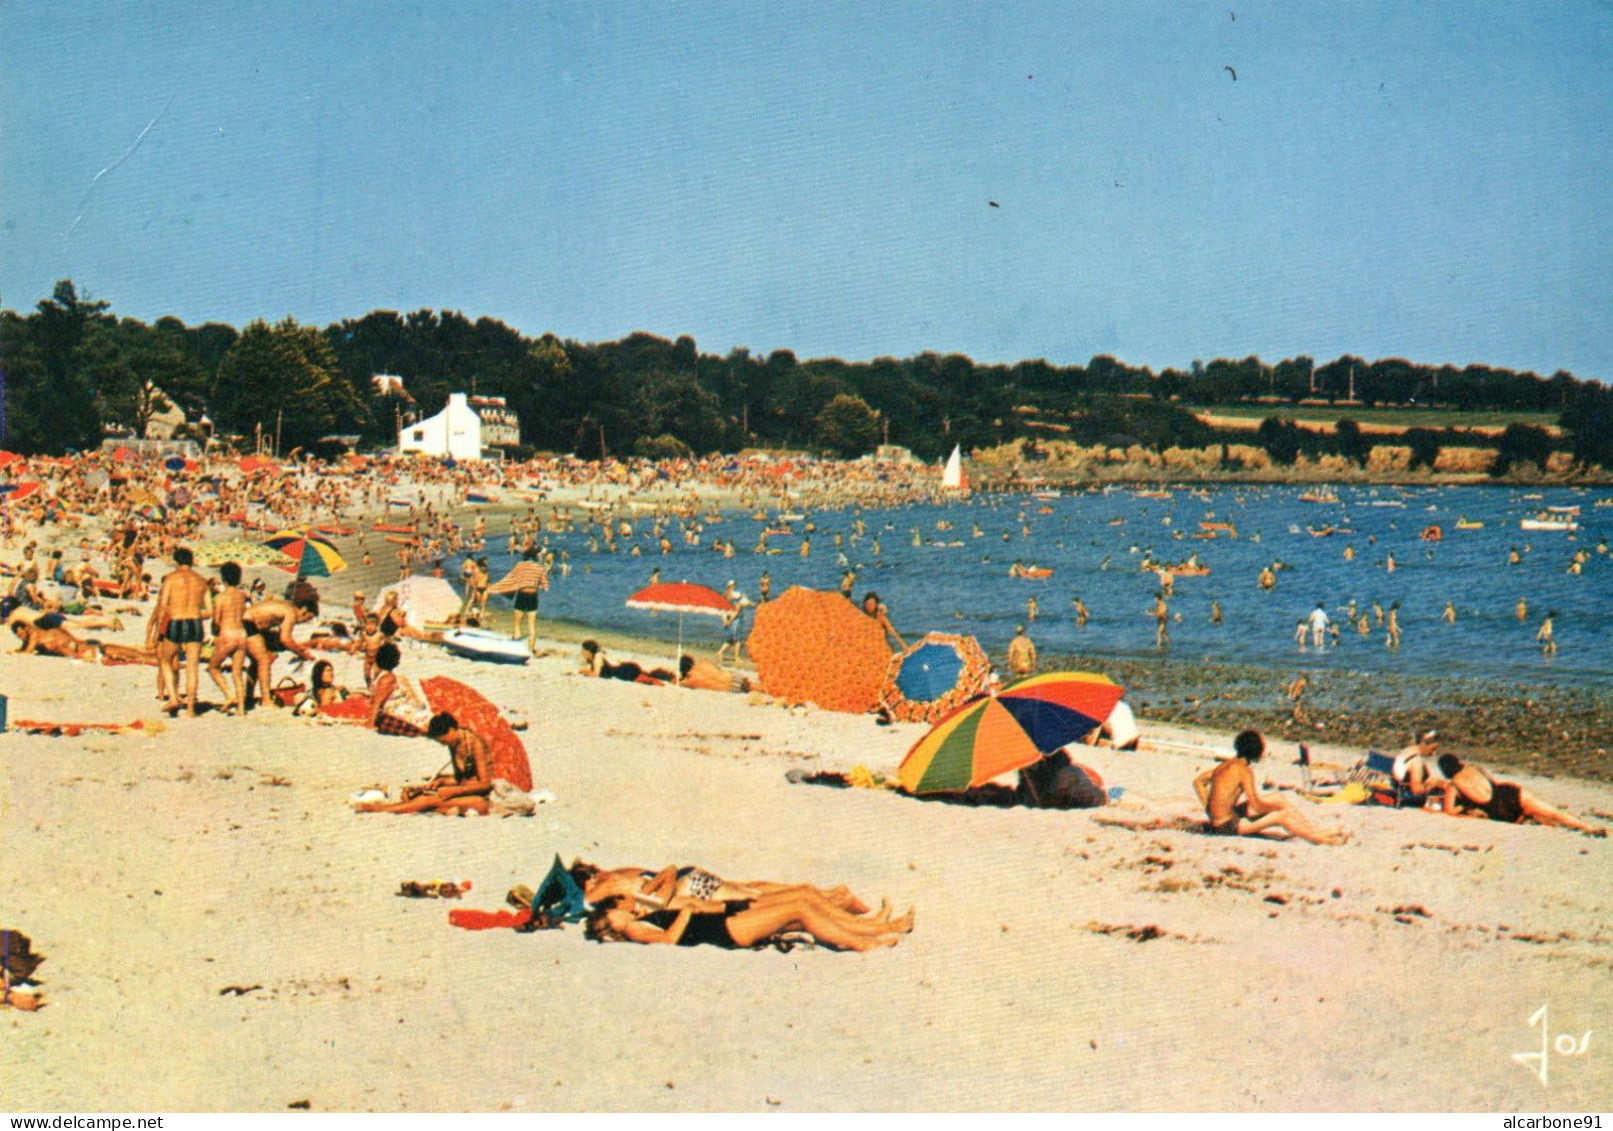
(470, 919)
(73, 730)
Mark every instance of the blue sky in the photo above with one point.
(1423, 180)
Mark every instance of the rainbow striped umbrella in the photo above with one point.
(1022, 723)
(310, 556)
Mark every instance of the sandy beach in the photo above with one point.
(223, 932)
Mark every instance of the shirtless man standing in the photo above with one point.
(1221, 787)
(176, 624)
(229, 638)
(268, 626)
(1021, 654)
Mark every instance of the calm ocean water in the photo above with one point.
(957, 581)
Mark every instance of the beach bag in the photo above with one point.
(287, 691)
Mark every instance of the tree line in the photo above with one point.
(72, 368)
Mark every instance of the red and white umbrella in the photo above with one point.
(681, 597)
(16, 493)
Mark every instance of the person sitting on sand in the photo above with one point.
(1470, 792)
(741, 924)
(1221, 787)
(465, 790)
(1417, 766)
(393, 697)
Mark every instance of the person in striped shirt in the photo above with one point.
(526, 580)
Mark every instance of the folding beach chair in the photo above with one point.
(1377, 773)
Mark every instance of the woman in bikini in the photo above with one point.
(741, 924)
(392, 695)
(465, 790)
(673, 886)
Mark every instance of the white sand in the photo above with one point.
(155, 872)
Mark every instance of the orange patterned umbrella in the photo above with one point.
(474, 710)
(816, 646)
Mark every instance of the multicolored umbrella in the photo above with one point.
(681, 597)
(1025, 721)
(473, 710)
(935, 677)
(815, 646)
(238, 550)
(310, 556)
(152, 512)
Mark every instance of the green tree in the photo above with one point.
(284, 379)
(1280, 439)
(1425, 445)
(1351, 443)
(676, 403)
(1587, 417)
(1520, 444)
(847, 427)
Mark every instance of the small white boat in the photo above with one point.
(1548, 522)
(480, 644)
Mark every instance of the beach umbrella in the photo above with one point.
(122, 455)
(152, 512)
(424, 600)
(815, 646)
(17, 492)
(174, 463)
(252, 464)
(476, 711)
(9, 458)
(1022, 723)
(681, 597)
(934, 677)
(310, 556)
(238, 550)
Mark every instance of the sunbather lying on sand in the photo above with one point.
(740, 924)
(675, 887)
(1221, 787)
(1470, 792)
(60, 642)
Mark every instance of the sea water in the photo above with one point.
(1095, 542)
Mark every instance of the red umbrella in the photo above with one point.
(681, 597)
(9, 458)
(474, 710)
(257, 463)
(19, 492)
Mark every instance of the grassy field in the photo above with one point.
(1381, 420)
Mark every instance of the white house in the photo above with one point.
(464, 429)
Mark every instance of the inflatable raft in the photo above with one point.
(480, 644)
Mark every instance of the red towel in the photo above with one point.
(470, 919)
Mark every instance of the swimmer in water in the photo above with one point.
(1215, 612)
(1393, 625)
(1081, 613)
(1548, 645)
(1523, 609)
(1449, 615)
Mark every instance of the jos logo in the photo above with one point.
(1566, 1044)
